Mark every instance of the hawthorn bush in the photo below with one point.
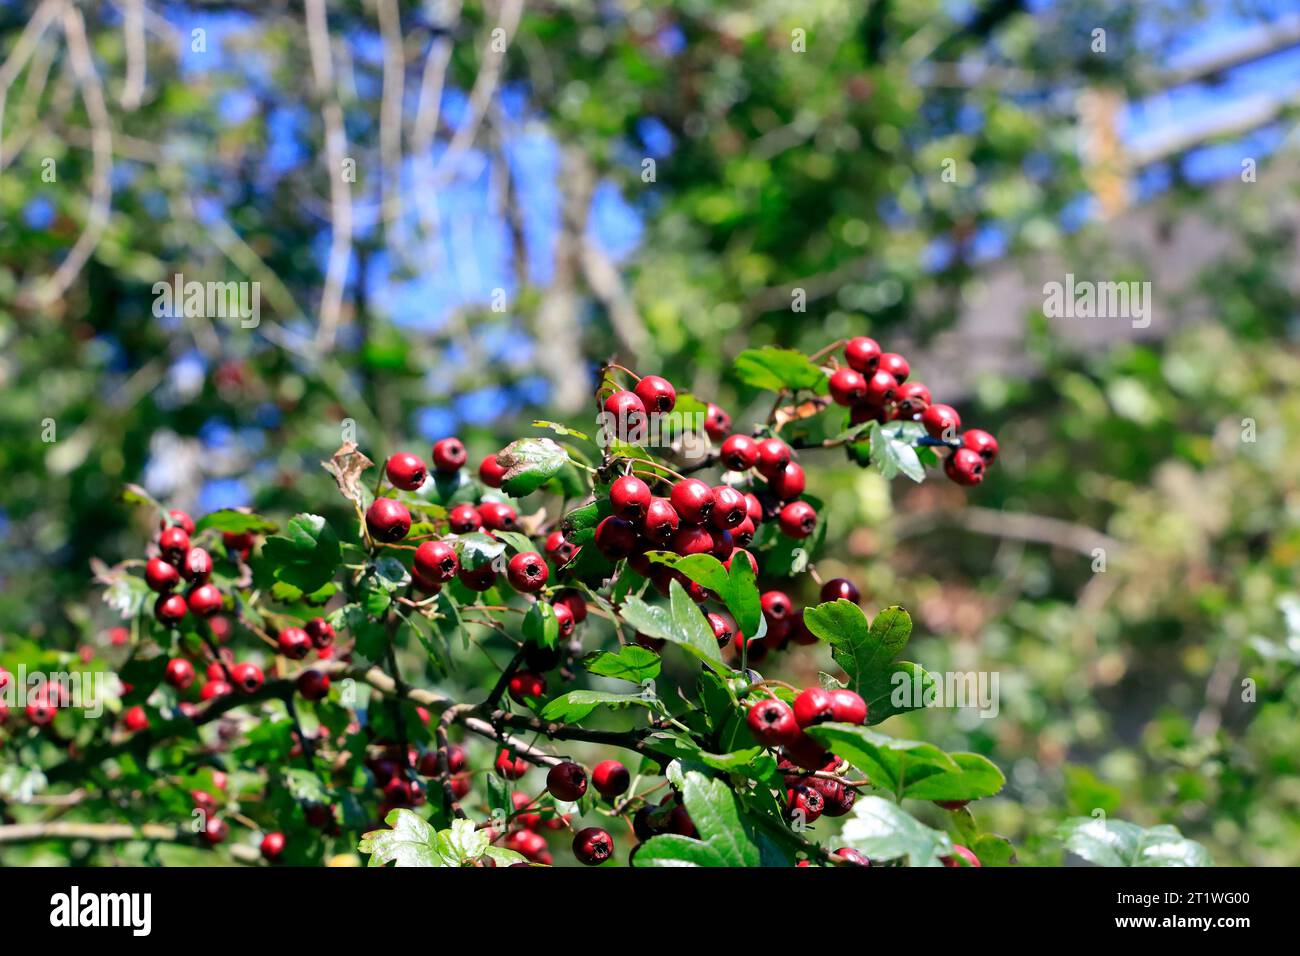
(635, 590)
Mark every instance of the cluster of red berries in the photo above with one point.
(874, 387)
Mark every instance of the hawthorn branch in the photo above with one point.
(113, 833)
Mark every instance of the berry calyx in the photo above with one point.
(814, 705)
(629, 497)
(449, 455)
(912, 399)
(656, 393)
(567, 782)
(527, 572)
(723, 629)
(772, 723)
(610, 778)
(593, 846)
(738, 453)
(388, 520)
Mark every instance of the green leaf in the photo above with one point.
(529, 464)
(577, 704)
(540, 625)
(885, 831)
(235, 522)
(579, 525)
(891, 764)
(413, 842)
(692, 629)
(307, 555)
(993, 850)
(736, 589)
(976, 777)
(561, 429)
(776, 369)
(669, 849)
(867, 653)
(724, 838)
(476, 549)
(631, 663)
(1119, 843)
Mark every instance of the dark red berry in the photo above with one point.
(491, 473)
(320, 631)
(238, 542)
(814, 706)
(526, 684)
(739, 453)
(559, 549)
(629, 497)
(272, 846)
(449, 455)
(527, 572)
(848, 707)
(848, 386)
(804, 802)
(625, 413)
(160, 575)
(436, 561)
(773, 456)
(657, 394)
(716, 422)
(204, 600)
(788, 483)
(406, 471)
(313, 685)
(951, 804)
(692, 499)
(512, 768)
(574, 601)
(772, 723)
(982, 443)
(135, 719)
(610, 778)
(895, 365)
(840, 589)
(965, 467)
(388, 520)
(692, 540)
(852, 856)
(798, 519)
(478, 579)
(660, 522)
(247, 677)
(776, 605)
(723, 629)
(881, 387)
(567, 782)
(862, 354)
(615, 538)
(941, 421)
(179, 519)
(593, 846)
(294, 643)
(729, 507)
(807, 753)
(174, 543)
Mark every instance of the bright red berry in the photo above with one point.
(593, 846)
(174, 543)
(776, 605)
(512, 768)
(498, 516)
(610, 778)
(559, 549)
(179, 673)
(729, 507)
(941, 421)
(464, 518)
(772, 723)
(813, 706)
(526, 684)
(615, 538)
(660, 522)
(739, 452)
(805, 802)
(629, 497)
(807, 753)
(178, 518)
(215, 688)
(788, 483)
(197, 566)
(743, 534)
(160, 575)
(716, 422)
(574, 601)
(136, 719)
(436, 561)
(755, 509)
(912, 398)
(692, 499)
(388, 520)
(848, 386)
(773, 456)
(564, 619)
(449, 455)
(204, 600)
(238, 542)
(798, 519)
(965, 467)
(567, 782)
(215, 830)
(657, 394)
(490, 473)
(294, 643)
(527, 572)
(313, 685)
(982, 443)
(627, 412)
(862, 354)
(881, 388)
(272, 846)
(247, 677)
(895, 365)
(852, 856)
(847, 707)
(406, 471)
(840, 588)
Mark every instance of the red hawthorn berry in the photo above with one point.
(772, 723)
(491, 473)
(965, 467)
(840, 589)
(788, 483)
(881, 388)
(982, 443)
(839, 798)
(806, 752)
(313, 685)
(197, 566)
(729, 507)
(215, 688)
(961, 856)
(40, 711)
(941, 421)
(862, 354)
(436, 561)
(216, 670)
(773, 456)
(657, 394)
(406, 471)
(320, 631)
(593, 846)
(615, 538)
(527, 572)
(526, 684)
(238, 542)
(567, 782)
(895, 365)
(388, 520)
(204, 600)
(743, 534)
(755, 509)
(723, 629)
(559, 549)
(739, 453)
(660, 522)
(449, 455)
(861, 414)
(463, 519)
(512, 768)
(692, 540)
(692, 499)
(723, 544)
(813, 706)
(629, 497)
(174, 542)
(528, 842)
(798, 519)
(170, 609)
(776, 605)
(848, 707)
(848, 386)
(523, 814)
(626, 411)
(272, 846)
(610, 778)
(136, 719)
(179, 673)
(498, 516)
(852, 857)
(477, 579)
(294, 643)
(215, 830)
(716, 422)
(574, 601)
(160, 575)
(563, 619)
(804, 801)
(179, 519)
(777, 634)
(247, 677)
(912, 398)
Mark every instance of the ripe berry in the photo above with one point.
(739, 452)
(559, 549)
(294, 643)
(136, 719)
(320, 631)
(529, 843)
(862, 354)
(449, 455)
(205, 600)
(847, 707)
(692, 499)
(729, 507)
(629, 497)
(861, 414)
(965, 467)
(627, 411)
(941, 421)
(406, 471)
(215, 688)
(788, 483)
(962, 856)
(657, 394)
(776, 605)
(593, 846)
(798, 519)
(723, 544)
(839, 798)
(179, 673)
(912, 398)
(247, 677)
(170, 609)
(840, 588)
(895, 365)
(272, 846)
(564, 620)
(527, 572)
(743, 534)
(498, 516)
(490, 473)
(848, 386)
(174, 544)
(237, 542)
(982, 443)
(852, 856)
(716, 422)
(610, 778)
(660, 521)
(436, 561)
(160, 575)
(723, 629)
(197, 566)
(615, 538)
(692, 540)
(773, 456)
(772, 723)
(215, 830)
(512, 768)
(804, 802)
(807, 752)
(814, 705)
(388, 520)
(39, 711)
(881, 387)
(179, 519)
(526, 684)
(574, 601)
(313, 685)
(478, 579)
(567, 782)
(755, 507)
